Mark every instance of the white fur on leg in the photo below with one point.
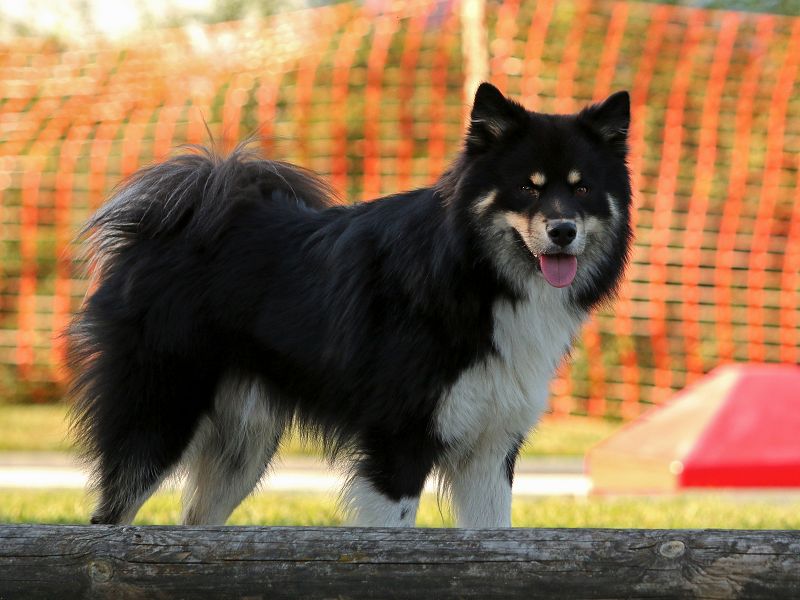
(367, 507)
(480, 488)
(230, 451)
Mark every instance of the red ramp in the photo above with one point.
(737, 428)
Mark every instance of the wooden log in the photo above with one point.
(64, 562)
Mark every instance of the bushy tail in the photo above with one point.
(193, 192)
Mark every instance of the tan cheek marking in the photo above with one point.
(538, 178)
(518, 222)
(573, 177)
(481, 205)
(521, 224)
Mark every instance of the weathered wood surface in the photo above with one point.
(66, 562)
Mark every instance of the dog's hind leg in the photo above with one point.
(230, 451)
(135, 417)
(138, 439)
(122, 493)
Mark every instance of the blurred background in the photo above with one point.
(374, 96)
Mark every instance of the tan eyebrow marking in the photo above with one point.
(538, 178)
(573, 177)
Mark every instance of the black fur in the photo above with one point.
(511, 458)
(358, 317)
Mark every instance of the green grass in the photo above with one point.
(38, 427)
(568, 436)
(272, 508)
(26, 428)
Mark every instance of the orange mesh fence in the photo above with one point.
(376, 101)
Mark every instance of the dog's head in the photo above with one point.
(548, 196)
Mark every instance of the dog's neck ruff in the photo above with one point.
(502, 395)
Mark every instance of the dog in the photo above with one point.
(414, 334)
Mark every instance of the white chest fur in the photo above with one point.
(501, 397)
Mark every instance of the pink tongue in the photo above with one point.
(558, 269)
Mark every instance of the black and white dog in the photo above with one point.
(415, 333)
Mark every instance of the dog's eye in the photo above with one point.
(581, 191)
(530, 188)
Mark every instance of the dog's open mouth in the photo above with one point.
(558, 269)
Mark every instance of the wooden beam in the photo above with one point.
(64, 562)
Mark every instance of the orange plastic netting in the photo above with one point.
(377, 102)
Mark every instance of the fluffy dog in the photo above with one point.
(414, 333)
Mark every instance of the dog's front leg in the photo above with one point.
(368, 506)
(389, 476)
(480, 483)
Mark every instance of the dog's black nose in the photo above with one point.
(562, 233)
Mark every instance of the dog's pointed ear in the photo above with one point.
(493, 117)
(611, 120)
